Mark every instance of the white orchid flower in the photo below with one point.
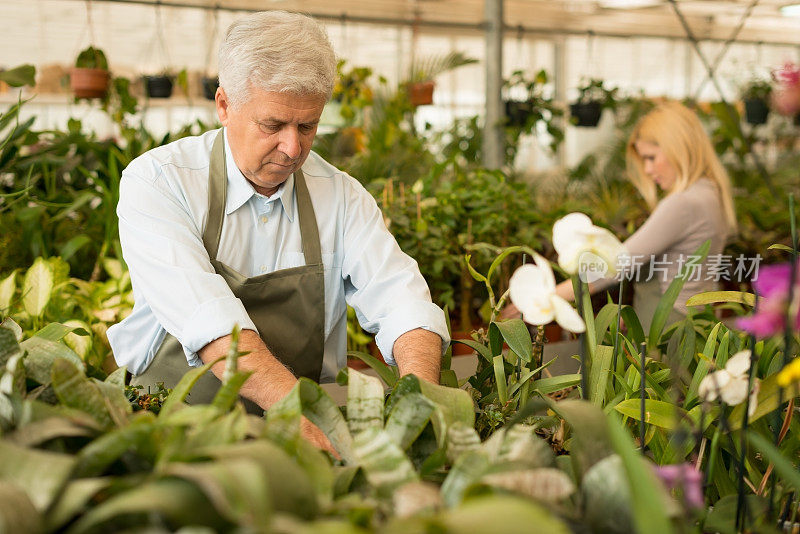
(575, 237)
(533, 291)
(730, 384)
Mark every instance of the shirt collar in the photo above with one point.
(240, 190)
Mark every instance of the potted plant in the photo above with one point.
(90, 77)
(210, 84)
(159, 85)
(755, 95)
(420, 83)
(523, 114)
(593, 98)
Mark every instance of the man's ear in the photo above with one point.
(223, 105)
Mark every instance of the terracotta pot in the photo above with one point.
(89, 83)
(421, 93)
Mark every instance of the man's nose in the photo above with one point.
(290, 142)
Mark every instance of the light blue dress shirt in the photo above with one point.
(163, 209)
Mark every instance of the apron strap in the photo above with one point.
(217, 191)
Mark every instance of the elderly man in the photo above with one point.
(245, 225)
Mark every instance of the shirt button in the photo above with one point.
(263, 218)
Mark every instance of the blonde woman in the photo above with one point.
(672, 163)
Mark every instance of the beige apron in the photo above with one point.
(287, 306)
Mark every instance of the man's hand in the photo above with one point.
(419, 352)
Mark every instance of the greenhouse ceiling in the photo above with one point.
(747, 20)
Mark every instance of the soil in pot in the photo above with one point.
(756, 111)
(586, 114)
(89, 83)
(158, 86)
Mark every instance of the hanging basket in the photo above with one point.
(210, 84)
(158, 86)
(89, 83)
(518, 112)
(421, 93)
(586, 114)
(756, 110)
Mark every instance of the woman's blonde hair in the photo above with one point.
(685, 143)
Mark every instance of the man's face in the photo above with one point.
(270, 134)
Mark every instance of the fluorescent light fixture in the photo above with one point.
(627, 4)
(792, 10)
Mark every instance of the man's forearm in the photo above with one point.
(270, 381)
(419, 352)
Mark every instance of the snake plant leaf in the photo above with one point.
(364, 402)
(40, 473)
(385, 465)
(659, 413)
(37, 287)
(12, 325)
(74, 498)
(607, 496)
(650, 503)
(520, 444)
(501, 515)
(590, 439)
(408, 418)
(321, 410)
(8, 287)
(545, 484)
(461, 439)
(228, 393)
(468, 470)
(237, 487)
(184, 386)
(17, 512)
(416, 498)
(106, 403)
(175, 499)
(405, 385)
(317, 468)
(452, 405)
(516, 335)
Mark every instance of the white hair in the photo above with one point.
(278, 52)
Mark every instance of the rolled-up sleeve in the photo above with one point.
(162, 244)
(385, 286)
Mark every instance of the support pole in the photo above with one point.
(493, 141)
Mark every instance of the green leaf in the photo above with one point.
(42, 353)
(516, 335)
(364, 402)
(667, 302)
(408, 418)
(8, 346)
(783, 465)
(17, 512)
(500, 379)
(41, 474)
(468, 469)
(184, 386)
(384, 463)
(503, 255)
(703, 365)
(228, 393)
(7, 289)
(659, 413)
(590, 441)
(599, 372)
(548, 385)
(713, 297)
(480, 348)
(81, 344)
(19, 76)
(452, 406)
(502, 514)
(68, 249)
(475, 274)
(138, 436)
(607, 494)
(647, 495)
(37, 287)
(73, 500)
(106, 403)
(387, 374)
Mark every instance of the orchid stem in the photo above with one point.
(582, 338)
(741, 503)
(642, 388)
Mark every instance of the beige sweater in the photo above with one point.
(680, 223)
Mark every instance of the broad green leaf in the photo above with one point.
(721, 519)
(106, 403)
(54, 332)
(113, 267)
(480, 348)
(525, 376)
(385, 465)
(40, 473)
(81, 344)
(388, 374)
(19, 76)
(42, 354)
(95, 457)
(468, 469)
(118, 376)
(599, 372)
(452, 405)
(10, 324)
(37, 286)
(75, 497)
(659, 413)
(590, 439)
(8, 346)
(17, 512)
(364, 402)
(648, 496)
(635, 330)
(38, 432)
(7, 288)
(783, 465)
(502, 514)
(607, 494)
(408, 418)
(178, 500)
(552, 384)
(516, 335)
(667, 302)
(713, 297)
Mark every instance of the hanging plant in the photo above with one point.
(90, 76)
(755, 95)
(593, 97)
(420, 84)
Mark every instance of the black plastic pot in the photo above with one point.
(797, 120)
(158, 86)
(586, 114)
(210, 85)
(518, 112)
(756, 110)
